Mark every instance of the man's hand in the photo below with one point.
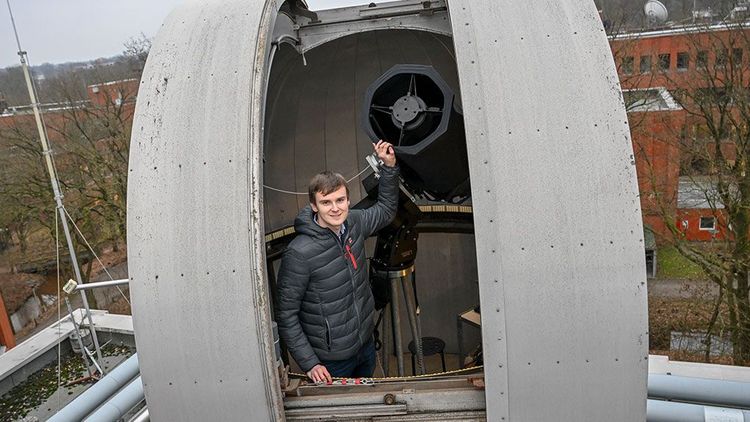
(319, 373)
(385, 152)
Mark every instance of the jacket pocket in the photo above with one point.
(328, 335)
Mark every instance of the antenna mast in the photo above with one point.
(47, 153)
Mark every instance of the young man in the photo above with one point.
(325, 307)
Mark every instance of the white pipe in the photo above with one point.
(666, 411)
(119, 404)
(699, 390)
(99, 392)
(141, 416)
(89, 286)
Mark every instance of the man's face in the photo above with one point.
(332, 209)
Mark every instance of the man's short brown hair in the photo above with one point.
(326, 183)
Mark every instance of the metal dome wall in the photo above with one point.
(313, 110)
(559, 242)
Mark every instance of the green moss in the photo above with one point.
(671, 264)
(38, 387)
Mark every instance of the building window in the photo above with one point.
(650, 264)
(664, 61)
(701, 60)
(628, 63)
(737, 57)
(645, 64)
(683, 61)
(708, 223)
(722, 56)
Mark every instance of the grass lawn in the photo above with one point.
(671, 264)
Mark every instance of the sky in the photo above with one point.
(59, 31)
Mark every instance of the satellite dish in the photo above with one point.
(655, 11)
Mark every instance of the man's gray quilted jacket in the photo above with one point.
(325, 307)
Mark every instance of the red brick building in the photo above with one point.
(654, 68)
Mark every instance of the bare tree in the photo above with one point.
(90, 142)
(713, 141)
(136, 52)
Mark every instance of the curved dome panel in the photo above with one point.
(562, 275)
(313, 110)
(194, 238)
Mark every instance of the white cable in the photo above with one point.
(305, 193)
(94, 253)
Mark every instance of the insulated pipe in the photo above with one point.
(699, 390)
(120, 404)
(666, 411)
(99, 392)
(141, 416)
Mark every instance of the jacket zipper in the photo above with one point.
(351, 279)
(328, 334)
(351, 256)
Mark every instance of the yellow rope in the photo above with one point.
(436, 374)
